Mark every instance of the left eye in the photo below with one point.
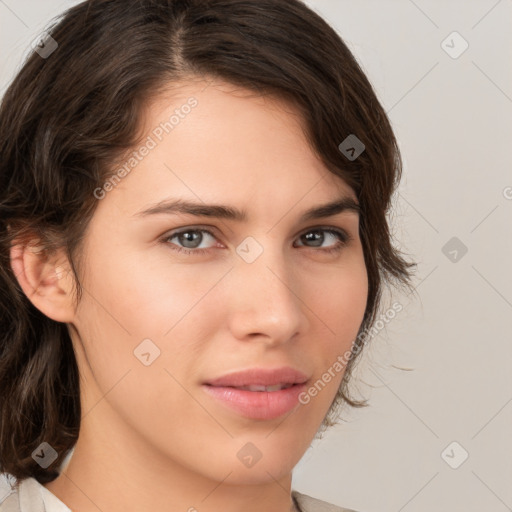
(192, 238)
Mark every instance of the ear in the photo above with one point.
(46, 280)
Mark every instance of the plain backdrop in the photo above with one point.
(438, 436)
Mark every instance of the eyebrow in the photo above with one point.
(174, 206)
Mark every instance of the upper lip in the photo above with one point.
(260, 377)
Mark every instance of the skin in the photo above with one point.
(151, 439)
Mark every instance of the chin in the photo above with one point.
(252, 459)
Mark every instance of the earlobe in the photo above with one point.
(45, 280)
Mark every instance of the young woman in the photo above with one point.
(193, 244)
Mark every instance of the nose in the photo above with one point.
(265, 302)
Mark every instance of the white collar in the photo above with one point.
(35, 497)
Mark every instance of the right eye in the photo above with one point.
(193, 236)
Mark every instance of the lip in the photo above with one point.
(262, 405)
(260, 377)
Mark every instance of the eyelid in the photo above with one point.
(214, 231)
(343, 240)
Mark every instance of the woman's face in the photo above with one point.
(274, 296)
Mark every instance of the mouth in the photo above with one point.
(259, 394)
(268, 389)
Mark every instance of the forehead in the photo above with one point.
(217, 142)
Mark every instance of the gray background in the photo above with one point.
(452, 118)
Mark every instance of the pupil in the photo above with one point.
(189, 237)
(316, 237)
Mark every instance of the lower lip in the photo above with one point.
(260, 405)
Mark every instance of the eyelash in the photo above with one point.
(343, 239)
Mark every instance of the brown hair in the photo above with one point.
(68, 115)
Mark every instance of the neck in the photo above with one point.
(120, 474)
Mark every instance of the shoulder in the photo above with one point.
(9, 497)
(27, 495)
(308, 504)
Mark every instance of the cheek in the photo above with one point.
(166, 304)
(339, 308)
(122, 308)
(340, 299)
(148, 293)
